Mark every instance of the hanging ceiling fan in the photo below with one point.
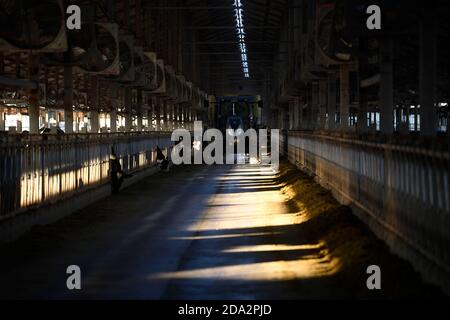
(150, 71)
(92, 49)
(32, 25)
(160, 87)
(334, 45)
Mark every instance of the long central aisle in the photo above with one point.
(196, 232)
(246, 245)
(118, 242)
(206, 232)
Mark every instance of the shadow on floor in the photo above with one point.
(322, 254)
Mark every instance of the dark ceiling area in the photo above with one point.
(211, 36)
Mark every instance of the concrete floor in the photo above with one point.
(197, 232)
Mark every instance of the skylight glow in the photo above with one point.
(239, 16)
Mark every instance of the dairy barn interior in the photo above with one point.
(350, 101)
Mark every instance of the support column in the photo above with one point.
(2, 109)
(152, 116)
(2, 119)
(403, 126)
(164, 125)
(291, 115)
(180, 116)
(427, 76)
(183, 117)
(128, 110)
(167, 116)
(299, 103)
(94, 120)
(68, 99)
(362, 117)
(386, 87)
(150, 113)
(296, 113)
(158, 114)
(33, 101)
(139, 110)
(331, 102)
(188, 120)
(323, 95)
(175, 114)
(344, 97)
(314, 107)
(76, 123)
(285, 119)
(113, 118)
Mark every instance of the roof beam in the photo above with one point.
(272, 7)
(227, 53)
(234, 61)
(266, 17)
(228, 27)
(235, 42)
(238, 79)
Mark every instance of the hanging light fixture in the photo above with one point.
(239, 16)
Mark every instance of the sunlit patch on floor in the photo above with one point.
(224, 236)
(312, 267)
(262, 208)
(249, 199)
(275, 247)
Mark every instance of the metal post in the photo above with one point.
(331, 101)
(314, 107)
(68, 99)
(299, 108)
(158, 115)
(344, 97)
(113, 118)
(386, 87)
(164, 124)
(362, 117)
(128, 109)
(139, 110)
(291, 115)
(322, 104)
(2, 119)
(166, 116)
(175, 116)
(33, 101)
(94, 121)
(427, 77)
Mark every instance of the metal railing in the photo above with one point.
(403, 189)
(40, 169)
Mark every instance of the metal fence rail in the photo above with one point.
(37, 169)
(406, 190)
